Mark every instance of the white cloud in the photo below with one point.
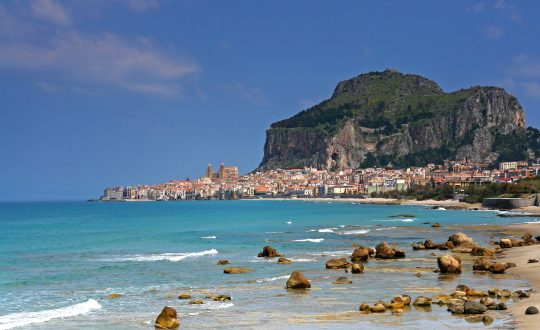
(51, 12)
(493, 32)
(524, 73)
(97, 61)
(532, 88)
(240, 90)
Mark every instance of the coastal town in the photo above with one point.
(227, 184)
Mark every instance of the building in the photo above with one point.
(508, 166)
(209, 171)
(227, 172)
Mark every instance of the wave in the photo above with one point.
(271, 279)
(26, 318)
(440, 208)
(209, 237)
(313, 240)
(301, 260)
(326, 230)
(289, 222)
(407, 220)
(355, 232)
(166, 256)
(274, 232)
(386, 228)
(532, 222)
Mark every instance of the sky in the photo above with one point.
(97, 93)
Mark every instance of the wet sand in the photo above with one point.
(528, 271)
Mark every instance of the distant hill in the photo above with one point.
(382, 118)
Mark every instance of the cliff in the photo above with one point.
(388, 117)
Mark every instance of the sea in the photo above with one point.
(60, 260)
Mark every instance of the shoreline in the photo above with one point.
(528, 271)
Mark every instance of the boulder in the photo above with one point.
(385, 251)
(237, 270)
(505, 243)
(269, 252)
(476, 293)
(481, 264)
(377, 308)
(422, 301)
(522, 294)
(430, 245)
(527, 239)
(462, 287)
(342, 280)
(531, 310)
(283, 261)
(357, 268)
(473, 307)
(504, 294)
(222, 297)
(449, 264)
(441, 299)
(516, 242)
(418, 246)
(167, 319)
(396, 305)
(487, 320)
(196, 302)
(497, 268)
(459, 238)
(458, 294)
(436, 225)
(502, 306)
(337, 263)
(298, 281)
(364, 308)
(482, 251)
(486, 301)
(360, 254)
(222, 262)
(456, 306)
(510, 265)
(532, 261)
(184, 296)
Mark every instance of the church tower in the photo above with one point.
(209, 171)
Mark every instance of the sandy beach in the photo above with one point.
(529, 271)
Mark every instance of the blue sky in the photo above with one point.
(95, 93)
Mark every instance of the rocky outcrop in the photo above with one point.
(449, 264)
(382, 117)
(237, 270)
(337, 263)
(269, 252)
(385, 251)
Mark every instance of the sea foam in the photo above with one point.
(166, 256)
(271, 279)
(313, 240)
(209, 237)
(355, 232)
(26, 318)
(326, 230)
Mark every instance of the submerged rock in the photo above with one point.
(222, 297)
(342, 280)
(237, 270)
(196, 302)
(298, 281)
(184, 296)
(222, 262)
(449, 264)
(283, 261)
(114, 295)
(167, 319)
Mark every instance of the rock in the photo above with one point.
(430, 245)
(364, 308)
(462, 287)
(237, 270)
(298, 281)
(114, 295)
(357, 268)
(462, 249)
(269, 252)
(449, 264)
(360, 254)
(283, 261)
(196, 302)
(522, 294)
(531, 310)
(456, 307)
(502, 306)
(384, 251)
(377, 308)
(222, 297)
(222, 262)
(497, 268)
(418, 274)
(475, 293)
(342, 280)
(505, 243)
(396, 305)
(486, 301)
(493, 292)
(422, 301)
(487, 320)
(405, 300)
(504, 294)
(436, 225)
(481, 264)
(510, 265)
(418, 246)
(474, 307)
(516, 242)
(441, 299)
(532, 261)
(184, 296)
(167, 319)
(459, 238)
(482, 251)
(458, 294)
(527, 239)
(337, 263)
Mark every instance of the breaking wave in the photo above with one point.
(209, 237)
(271, 279)
(313, 240)
(166, 256)
(26, 318)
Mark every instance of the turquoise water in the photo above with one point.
(58, 261)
